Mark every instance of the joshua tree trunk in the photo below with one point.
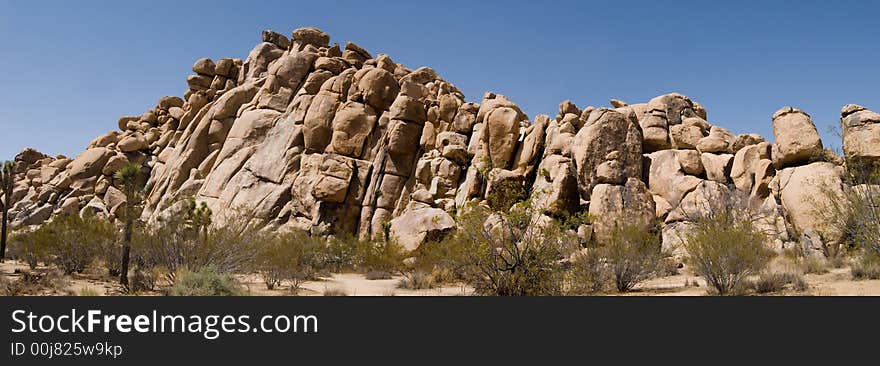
(3, 234)
(126, 244)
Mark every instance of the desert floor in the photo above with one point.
(837, 282)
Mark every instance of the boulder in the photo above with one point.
(90, 163)
(414, 228)
(612, 205)
(861, 134)
(606, 131)
(795, 138)
(806, 193)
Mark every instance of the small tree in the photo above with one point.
(7, 178)
(131, 183)
(725, 248)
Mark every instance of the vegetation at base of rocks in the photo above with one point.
(335, 292)
(187, 242)
(634, 255)
(866, 267)
(206, 282)
(725, 249)
(32, 282)
(855, 214)
(69, 241)
(588, 274)
(291, 258)
(88, 291)
(772, 282)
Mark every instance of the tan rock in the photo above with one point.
(606, 131)
(417, 227)
(796, 139)
(717, 166)
(612, 205)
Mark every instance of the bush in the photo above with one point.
(291, 257)
(31, 247)
(725, 248)
(506, 253)
(88, 291)
(634, 255)
(342, 253)
(206, 282)
(417, 280)
(382, 258)
(866, 268)
(770, 282)
(69, 241)
(335, 292)
(35, 283)
(186, 242)
(587, 273)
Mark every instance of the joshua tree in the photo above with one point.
(131, 183)
(6, 180)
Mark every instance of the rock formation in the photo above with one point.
(313, 136)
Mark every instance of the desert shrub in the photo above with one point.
(30, 246)
(634, 255)
(334, 291)
(341, 253)
(813, 265)
(71, 242)
(293, 257)
(186, 241)
(111, 254)
(866, 267)
(88, 291)
(417, 280)
(587, 274)
(770, 282)
(725, 248)
(382, 258)
(35, 283)
(513, 252)
(855, 214)
(206, 282)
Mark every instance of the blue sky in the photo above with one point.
(69, 69)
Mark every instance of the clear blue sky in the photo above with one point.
(69, 69)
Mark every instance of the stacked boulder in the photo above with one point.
(309, 135)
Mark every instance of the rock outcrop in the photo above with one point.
(307, 135)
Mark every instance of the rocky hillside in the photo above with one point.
(318, 137)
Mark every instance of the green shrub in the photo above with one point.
(69, 241)
(335, 292)
(186, 242)
(867, 267)
(292, 257)
(588, 273)
(88, 291)
(417, 280)
(206, 282)
(505, 253)
(770, 282)
(725, 248)
(634, 255)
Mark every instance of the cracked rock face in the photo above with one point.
(312, 136)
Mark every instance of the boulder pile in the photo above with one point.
(313, 136)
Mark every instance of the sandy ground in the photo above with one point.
(838, 282)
